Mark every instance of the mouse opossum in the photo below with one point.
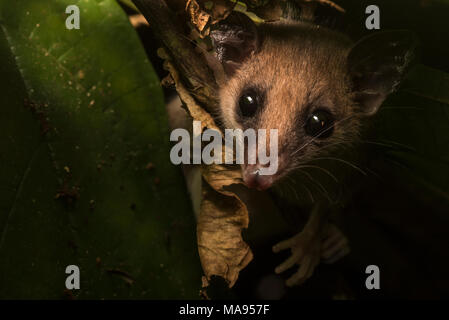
(316, 87)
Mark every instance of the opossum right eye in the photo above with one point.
(249, 103)
(320, 124)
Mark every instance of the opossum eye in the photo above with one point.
(320, 124)
(249, 103)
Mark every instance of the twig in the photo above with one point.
(195, 73)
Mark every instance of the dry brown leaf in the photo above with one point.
(194, 109)
(221, 247)
(205, 12)
(198, 16)
(218, 9)
(223, 215)
(228, 174)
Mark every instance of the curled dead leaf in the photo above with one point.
(221, 247)
(203, 13)
(219, 9)
(195, 111)
(199, 17)
(222, 215)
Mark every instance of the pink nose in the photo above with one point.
(253, 179)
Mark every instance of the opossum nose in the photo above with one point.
(253, 179)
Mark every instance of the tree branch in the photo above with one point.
(195, 73)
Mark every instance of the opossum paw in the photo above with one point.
(334, 244)
(305, 250)
(308, 249)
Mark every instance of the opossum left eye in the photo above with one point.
(320, 124)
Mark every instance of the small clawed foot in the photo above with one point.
(305, 252)
(308, 249)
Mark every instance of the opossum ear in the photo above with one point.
(234, 39)
(377, 64)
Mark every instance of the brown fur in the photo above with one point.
(300, 67)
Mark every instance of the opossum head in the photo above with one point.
(310, 83)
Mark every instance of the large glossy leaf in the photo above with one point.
(85, 176)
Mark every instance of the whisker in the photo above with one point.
(401, 145)
(319, 168)
(323, 191)
(309, 192)
(293, 189)
(343, 161)
(389, 144)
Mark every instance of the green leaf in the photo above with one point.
(82, 117)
